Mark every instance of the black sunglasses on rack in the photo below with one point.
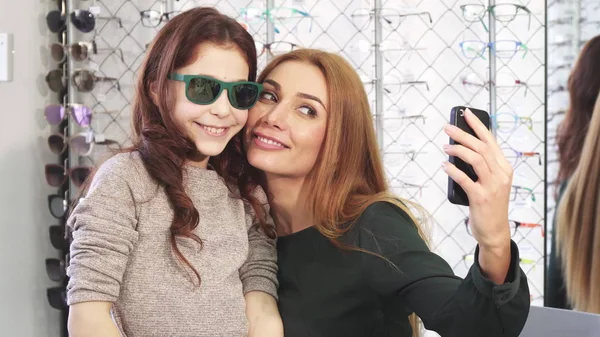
(57, 205)
(58, 238)
(57, 297)
(56, 270)
(81, 19)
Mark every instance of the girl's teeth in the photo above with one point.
(215, 130)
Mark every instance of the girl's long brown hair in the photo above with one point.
(583, 86)
(343, 186)
(578, 225)
(163, 147)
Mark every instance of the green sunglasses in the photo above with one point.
(206, 90)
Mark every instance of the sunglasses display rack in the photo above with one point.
(571, 23)
(57, 117)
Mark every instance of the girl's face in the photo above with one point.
(286, 128)
(211, 126)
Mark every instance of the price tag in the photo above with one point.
(95, 10)
(101, 97)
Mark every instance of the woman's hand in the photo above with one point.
(488, 196)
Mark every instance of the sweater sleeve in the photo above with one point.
(103, 226)
(259, 272)
(426, 284)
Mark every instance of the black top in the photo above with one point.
(325, 291)
(555, 294)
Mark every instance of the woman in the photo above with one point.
(352, 261)
(583, 86)
(578, 225)
(167, 240)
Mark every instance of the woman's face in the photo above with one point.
(286, 128)
(211, 126)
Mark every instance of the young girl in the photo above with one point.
(168, 241)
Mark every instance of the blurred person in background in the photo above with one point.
(583, 87)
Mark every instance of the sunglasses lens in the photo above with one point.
(244, 96)
(57, 208)
(84, 81)
(54, 79)
(151, 18)
(55, 270)
(83, 20)
(79, 52)
(79, 175)
(203, 90)
(57, 237)
(58, 52)
(56, 143)
(55, 175)
(55, 21)
(82, 114)
(57, 298)
(473, 12)
(80, 145)
(54, 114)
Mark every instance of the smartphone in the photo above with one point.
(456, 194)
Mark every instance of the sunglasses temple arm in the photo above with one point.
(108, 18)
(109, 79)
(484, 25)
(106, 112)
(114, 50)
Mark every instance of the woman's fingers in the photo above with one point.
(472, 158)
(460, 178)
(474, 144)
(486, 136)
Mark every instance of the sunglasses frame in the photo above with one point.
(50, 77)
(58, 239)
(67, 173)
(222, 85)
(163, 16)
(94, 79)
(67, 143)
(68, 110)
(52, 265)
(87, 49)
(51, 198)
(57, 298)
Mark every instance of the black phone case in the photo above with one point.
(456, 194)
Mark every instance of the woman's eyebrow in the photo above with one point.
(300, 94)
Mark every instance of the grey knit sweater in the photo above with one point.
(121, 254)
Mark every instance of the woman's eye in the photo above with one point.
(307, 110)
(268, 96)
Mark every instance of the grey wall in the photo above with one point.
(24, 218)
